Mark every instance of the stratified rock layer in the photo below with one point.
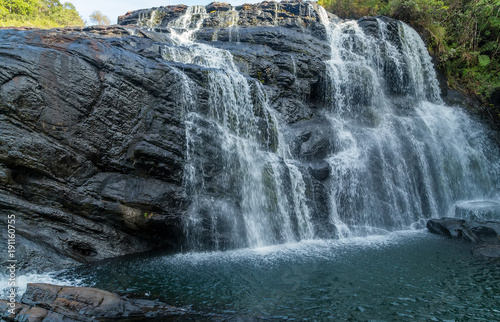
(91, 145)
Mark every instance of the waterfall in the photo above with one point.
(399, 155)
(243, 187)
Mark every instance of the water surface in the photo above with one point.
(399, 276)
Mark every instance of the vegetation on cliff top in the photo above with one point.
(38, 13)
(463, 34)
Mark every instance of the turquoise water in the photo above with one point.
(400, 276)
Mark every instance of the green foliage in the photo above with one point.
(354, 8)
(483, 60)
(463, 34)
(38, 13)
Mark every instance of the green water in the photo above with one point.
(409, 275)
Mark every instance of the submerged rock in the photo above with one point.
(490, 251)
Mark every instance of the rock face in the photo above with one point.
(92, 143)
(301, 16)
(46, 302)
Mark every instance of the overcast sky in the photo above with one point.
(115, 8)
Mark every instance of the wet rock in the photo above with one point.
(154, 17)
(46, 302)
(218, 6)
(93, 138)
(313, 140)
(451, 228)
(470, 231)
(320, 170)
(486, 231)
(91, 142)
(94, 127)
(301, 16)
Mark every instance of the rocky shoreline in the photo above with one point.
(46, 302)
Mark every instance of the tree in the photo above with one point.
(38, 13)
(99, 18)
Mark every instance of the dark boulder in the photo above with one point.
(218, 6)
(312, 140)
(470, 231)
(320, 170)
(452, 228)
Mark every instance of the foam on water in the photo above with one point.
(296, 251)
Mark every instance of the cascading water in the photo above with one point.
(244, 190)
(399, 154)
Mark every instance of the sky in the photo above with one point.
(115, 8)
